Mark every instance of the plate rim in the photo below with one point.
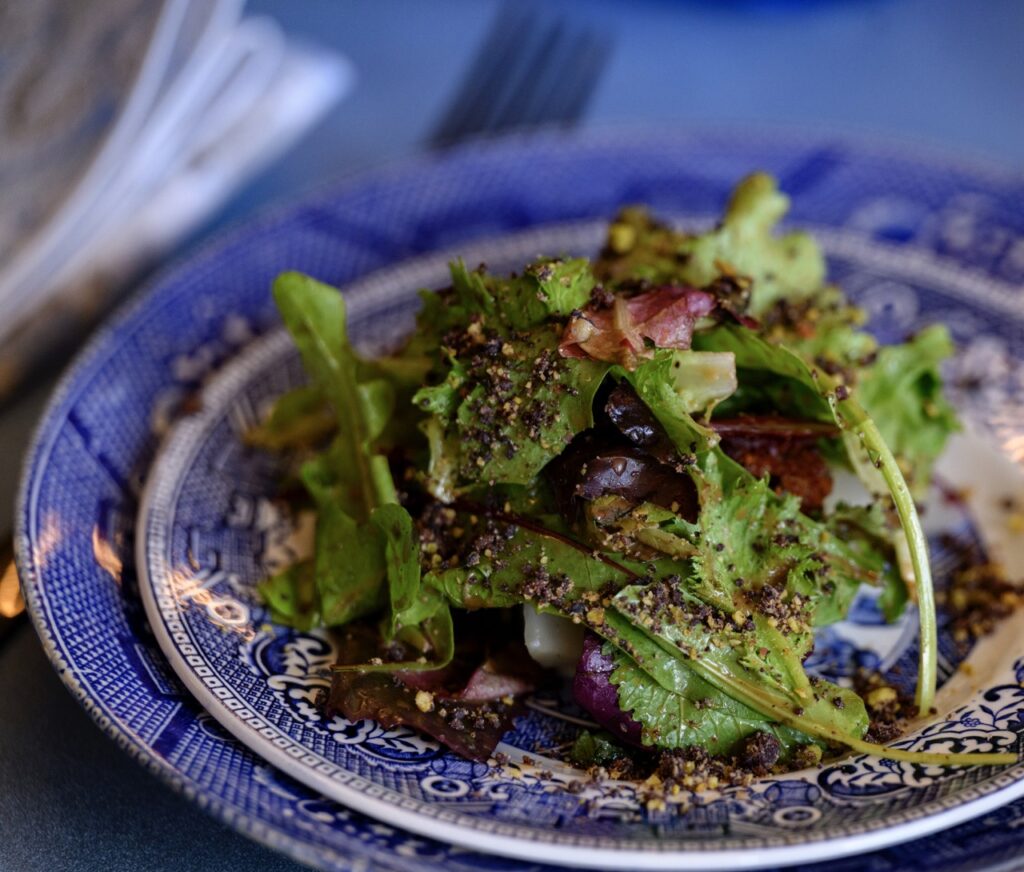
(162, 484)
(104, 340)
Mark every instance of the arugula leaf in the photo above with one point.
(350, 566)
(292, 596)
(401, 555)
(530, 564)
(363, 536)
(298, 418)
(314, 314)
(902, 391)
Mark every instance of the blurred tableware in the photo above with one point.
(122, 125)
(531, 69)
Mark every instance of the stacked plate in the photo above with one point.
(144, 522)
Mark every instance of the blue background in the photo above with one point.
(945, 73)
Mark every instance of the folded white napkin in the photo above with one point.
(157, 113)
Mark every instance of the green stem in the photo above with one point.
(871, 440)
(768, 703)
(383, 492)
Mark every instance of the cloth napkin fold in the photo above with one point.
(153, 116)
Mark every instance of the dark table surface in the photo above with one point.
(946, 73)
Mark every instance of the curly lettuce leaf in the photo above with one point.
(902, 391)
(826, 329)
(767, 543)
(503, 402)
(768, 575)
(865, 534)
(548, 287)
(563, 286)
(500, 420)
(701, 660)
(786, 267)
(871, 458)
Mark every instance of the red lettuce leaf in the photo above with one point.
(617, 333)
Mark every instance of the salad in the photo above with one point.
(620, 471)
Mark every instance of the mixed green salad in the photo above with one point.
(631, 459)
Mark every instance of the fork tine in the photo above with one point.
(568, 103)
(527, 72)
(486, 74)
(533, 74)
(549, 79)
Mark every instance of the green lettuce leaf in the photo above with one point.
(700, 659)
(790, 267)
(299, 418)
(786, 267)
(349, 565)
(826, 330)
(865, 534)
(292, 596)
(868, 453)
(502, 419)
(562, 286)
(314, 314)
(366, 552)
(533, 564)
(902, 391)
(691, 711)
(548, 287)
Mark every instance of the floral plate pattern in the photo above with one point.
(942, 244)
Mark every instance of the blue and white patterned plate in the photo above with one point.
(913, 240)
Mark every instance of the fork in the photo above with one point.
(531, 69)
